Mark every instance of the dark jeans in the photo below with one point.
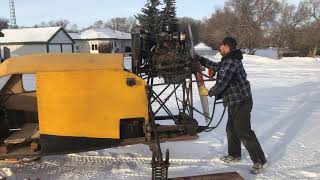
(239, 131)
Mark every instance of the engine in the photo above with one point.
(165, 55)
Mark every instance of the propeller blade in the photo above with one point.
(199, 79)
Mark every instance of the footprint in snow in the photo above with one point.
(216, 145)
(302, 145)
(276, 138)
(280, 133)
(307, 174)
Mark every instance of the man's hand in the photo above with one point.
(213, 91)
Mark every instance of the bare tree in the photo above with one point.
(118, 23)
(61, 23)
(3, 25)
(249, 21)
(255, 18)
(307, 36)
(196, 27)
(314, 8)
(286, 28)
(73, 28)
(98, 24)
(121, 23)
(42, 24)
(314, 27)
(223, 22)
(54, 23)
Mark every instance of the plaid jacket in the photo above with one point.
(232, 84)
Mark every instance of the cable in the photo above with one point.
(208, 128)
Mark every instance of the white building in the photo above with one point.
(37, 40)
(89, 40)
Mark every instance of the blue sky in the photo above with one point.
(85, 12)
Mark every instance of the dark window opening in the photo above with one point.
(131, 128)
(127, 49)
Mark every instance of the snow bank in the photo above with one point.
(268, 52)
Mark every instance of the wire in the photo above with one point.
(208, 128)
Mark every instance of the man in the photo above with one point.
(234, 89)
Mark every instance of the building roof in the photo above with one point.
(105, 33)
(75, 35)
(29, 35)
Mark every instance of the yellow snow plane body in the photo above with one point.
(79, 99)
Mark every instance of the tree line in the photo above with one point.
(254, 23)
(118, 23)
(264, 23)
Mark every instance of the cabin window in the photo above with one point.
(29, 82)
(92, 47)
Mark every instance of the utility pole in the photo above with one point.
(13, 22)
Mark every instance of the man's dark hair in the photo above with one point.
(231, 42)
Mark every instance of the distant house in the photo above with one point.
(88, 41)
(37, 40)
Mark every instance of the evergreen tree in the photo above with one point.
(149, 18)
(169, 22)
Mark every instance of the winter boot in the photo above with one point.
(259, 167)
(230, 159)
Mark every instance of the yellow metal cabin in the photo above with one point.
(81, 102)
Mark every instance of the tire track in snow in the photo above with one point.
(138, 160)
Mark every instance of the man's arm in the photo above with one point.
(208, 63)
(226, 72)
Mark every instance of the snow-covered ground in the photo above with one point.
(285, 118)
